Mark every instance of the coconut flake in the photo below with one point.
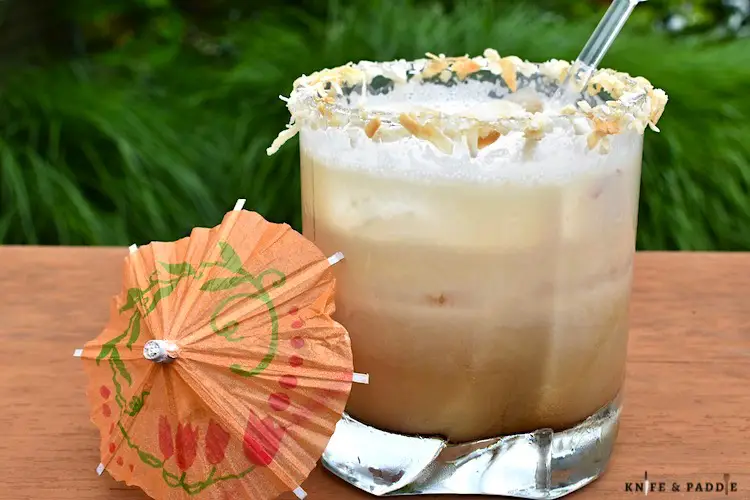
(281, 139)
(314, 102)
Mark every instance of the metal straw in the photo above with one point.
(598, 45)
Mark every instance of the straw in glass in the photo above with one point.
(593, 52)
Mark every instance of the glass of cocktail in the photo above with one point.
(489, 236)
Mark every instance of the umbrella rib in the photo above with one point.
(205, 331)
(219, 233)
(268, 371)
(278, 235)
(296, 278)
(148, 378)
(192, 382)
(207, 396)
(137, 271)
(265, 376)
(260, 334)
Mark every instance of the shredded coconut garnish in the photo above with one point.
(372, 127)
(316, 101)
(282, 138)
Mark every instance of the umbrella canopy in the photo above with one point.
(220, 373)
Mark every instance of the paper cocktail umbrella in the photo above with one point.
(220, 374)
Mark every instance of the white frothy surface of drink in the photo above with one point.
(562, 152)
(470, 108)
(557, 158)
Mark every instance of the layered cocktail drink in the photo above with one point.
(489, 235)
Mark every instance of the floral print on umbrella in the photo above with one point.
(217, 440)
(193, 451)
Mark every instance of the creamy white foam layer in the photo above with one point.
(557, 158)
(470, 100)
(481, 110)
(561, 153)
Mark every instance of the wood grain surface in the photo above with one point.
(687, 395)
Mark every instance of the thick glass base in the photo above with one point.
(540, 465)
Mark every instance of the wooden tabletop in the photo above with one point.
(687, 395)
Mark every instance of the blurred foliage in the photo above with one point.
(716, 18)
(134, 121)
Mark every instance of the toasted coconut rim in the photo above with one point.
(612, 102)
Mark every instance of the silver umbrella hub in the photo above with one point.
(160, 351)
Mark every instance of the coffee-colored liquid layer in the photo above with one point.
(479, 309)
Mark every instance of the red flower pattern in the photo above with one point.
(260, 443)
(186, 444)
(217, 440)
(262, 440)
(165, 438)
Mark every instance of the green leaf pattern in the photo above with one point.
(181, 269)
(120, 366)
(216, 284)
(230, 259)
(135, 329)
(162, 289)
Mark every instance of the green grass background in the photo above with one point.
(164, 129)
